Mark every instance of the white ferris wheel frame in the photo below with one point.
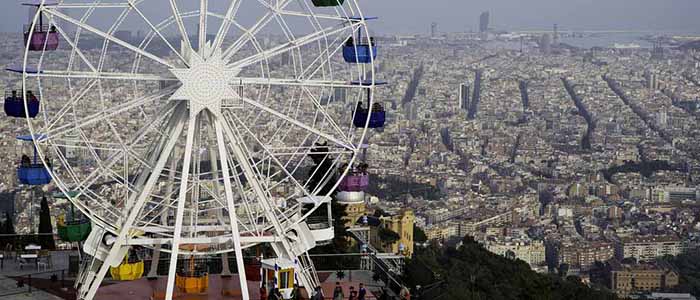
(224, 125)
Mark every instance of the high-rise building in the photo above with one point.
(476, 97)
(464, 96)
(339, 94)
(555, 35)
(484, 21)
(433, 29)
(285, 58)
(123, 35)
(546, 43)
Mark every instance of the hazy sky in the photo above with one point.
(415, 16)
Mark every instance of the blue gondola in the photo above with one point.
(377, 115)
(359, 51)
(359, 54)
(32, 171)
(14, 105)
(376, 119)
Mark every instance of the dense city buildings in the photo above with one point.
(576, 159)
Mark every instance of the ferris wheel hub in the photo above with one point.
(205, 83)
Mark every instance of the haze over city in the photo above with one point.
(350, 150)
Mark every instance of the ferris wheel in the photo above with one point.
(198, 127)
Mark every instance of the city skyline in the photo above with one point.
(415, 17)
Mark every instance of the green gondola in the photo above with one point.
(327, 3)
(71, 228)
(74, 231)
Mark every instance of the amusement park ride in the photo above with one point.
(214, 161)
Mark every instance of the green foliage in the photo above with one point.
(419, 235)
(7, 228)
(46, 240)
(688, 267)
(395, 187)
(388, 236)
(471, 272)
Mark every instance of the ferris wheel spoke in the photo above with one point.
(254, 181)
(326, 117)
(291, 45)
(180, 24)
(202, 34)
(315, 15)
(233, 218)
(227, 19)
(297, 82)
(250, 33)
(285, 118)
(67, 74)
(107, 36)
(73, 46)
(90, 179)
(271, 156)
(101, 115)
(155, 30)
(125, 228)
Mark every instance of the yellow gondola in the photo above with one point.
(130, 269)
(192, 280)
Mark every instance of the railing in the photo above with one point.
(37, 28)
(386, 271)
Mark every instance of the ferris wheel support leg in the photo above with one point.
(233, 218)
(179, 214)
(95, 282)
(153, 273)
(155, 259)
(225, 269)
(283, 248)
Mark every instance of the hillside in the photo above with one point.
(471, 272)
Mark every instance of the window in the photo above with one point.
(286, 278)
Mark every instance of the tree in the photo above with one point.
(472, 272)
(46, 240)
(3, 238)
(387, 235)
(419, 235)
(8, 228)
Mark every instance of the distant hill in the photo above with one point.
(471, 272)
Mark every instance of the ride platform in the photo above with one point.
(155, 289)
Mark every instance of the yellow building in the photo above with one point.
(355, 206)
(402, 224)
(354, 212)
(641, 278)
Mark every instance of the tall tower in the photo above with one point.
(433, 29)
(464, 96)
(546, 43)
(555, 36)
(484, 22)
